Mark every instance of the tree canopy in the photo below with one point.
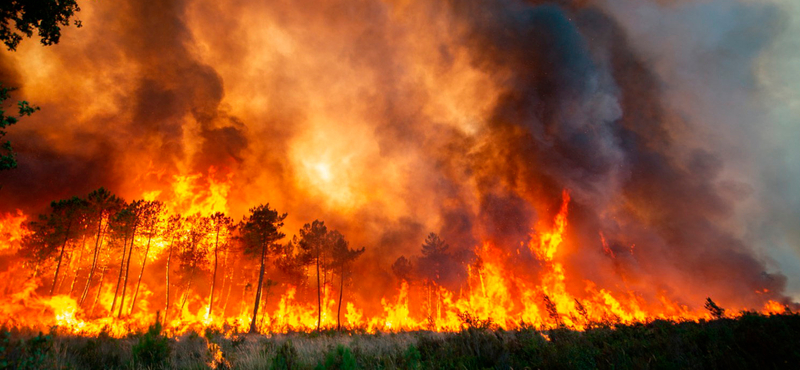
(19, 18)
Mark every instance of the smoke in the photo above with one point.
(670, 123)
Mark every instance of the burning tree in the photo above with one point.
(193, 252)
(102, 204)
(315, 242)
(433, 263)
(342, 257)
(173, 232)
(53, 233)
(151, 218)
(126, 222)
(259, 232)
(402, 268)
(221, 226)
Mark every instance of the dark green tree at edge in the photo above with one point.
(20, 18)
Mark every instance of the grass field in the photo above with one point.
(751, 341)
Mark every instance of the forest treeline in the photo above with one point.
(86, 246)
(97, 238)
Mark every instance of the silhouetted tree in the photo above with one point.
(40, 244)
(434, 257)
(54, 231)
(137, 208)
(20, 18)
(173, 232)
(102, 204)
(150, 220)
(402, 268)
(8, 159)
(291, 263)
(716, 311)
(342, 258)
(314, 242)
(123, 227)
(221, 226)
(193, 252)
(259, 232)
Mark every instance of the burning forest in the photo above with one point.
(391, 166)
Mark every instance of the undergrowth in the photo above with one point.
(747, 342)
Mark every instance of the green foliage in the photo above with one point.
(5, 338)
(471, 348)
(340, 358)
(8, 158)
(98, 353)
(412, 359)
(31, 353)
(748, 342)
(152, 349)
(20, 18)
(285, 357)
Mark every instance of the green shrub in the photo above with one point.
(341, 358)
(24, 354)
(285, 357)
(152, 349)
(412, 358)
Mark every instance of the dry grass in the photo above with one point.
(751, 341)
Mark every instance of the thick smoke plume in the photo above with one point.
(393, 119)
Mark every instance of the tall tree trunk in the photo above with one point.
(96, 255)
(224, 283)
(258, 289)
(231, 278)
(319, 298)
(214, 279)
(127, 273)
(169, 257)
(60, 257)
(264, 309)
(99, 287)
(339, 310)
(141, 272)
(187, 290)
(121, 270)
(78, 268)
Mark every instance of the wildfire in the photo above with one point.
(495, 295)
(555, 183)
(12, 231)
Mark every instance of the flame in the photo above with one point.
(12, 231)
(495, 294)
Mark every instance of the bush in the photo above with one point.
(412, 358)
(285, 357)
(24, 354)
(152, 349)
(340, 358)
